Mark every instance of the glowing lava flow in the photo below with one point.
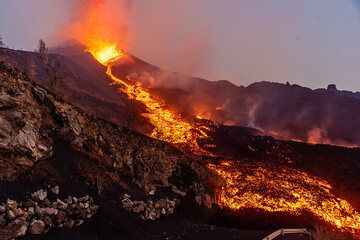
(168, 126)
(245, 186)
(283, 190)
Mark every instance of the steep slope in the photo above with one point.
(33, 120)
(290, 112)
(31, 116)
(84, 83)
(45, 140)
(287, 111)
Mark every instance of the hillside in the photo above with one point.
(47, 141)
(285, 111)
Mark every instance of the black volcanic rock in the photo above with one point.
(283, 110)
(31, 116)
(85, 85)
(331, 87)
(85, 146)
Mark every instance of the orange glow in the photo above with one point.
(106, 53)
(283, 190)
(99, 24)
(245, 186)
(168, 126)
(96, 31)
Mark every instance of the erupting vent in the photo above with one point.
(105, 52)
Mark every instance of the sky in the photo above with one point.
(308, 42)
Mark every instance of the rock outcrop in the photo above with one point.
(31, 116)
(23, 137)
(150, 209)
(39, 214)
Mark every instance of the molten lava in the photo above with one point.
(244, 186)
(168, 126)
(105, 52)
(283, 190)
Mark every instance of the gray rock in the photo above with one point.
(10, 215)
(59, 218)
(19, 212)
(37, 227)
(198, 199)
(39, 211)
(163, 211)
(151, 215)
(22, 228)
(69, 200)
(83, 199)
(11, 204)
(31, 211)
(150, 210)
(55, 190)
(50, 211)
(61, 205)
(39, 195)
(127, 203)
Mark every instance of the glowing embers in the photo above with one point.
(105, 52)
(283, 190)
(168, 126)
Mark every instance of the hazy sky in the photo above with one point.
(308, 42)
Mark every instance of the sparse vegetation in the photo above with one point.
(55, 75)
(54, 71)
(42, 49)
(1, 42)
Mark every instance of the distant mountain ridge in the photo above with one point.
(343, 93)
